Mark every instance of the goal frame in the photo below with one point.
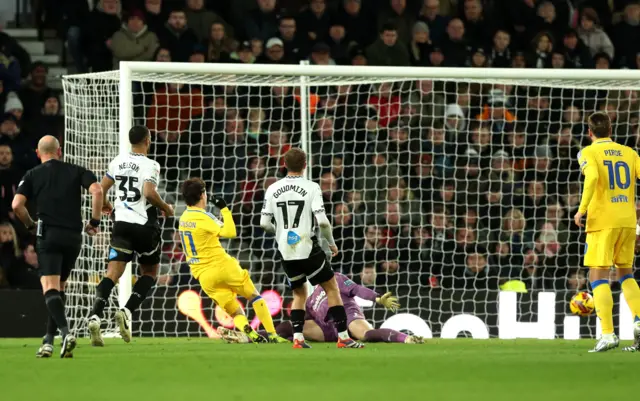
(602, 79)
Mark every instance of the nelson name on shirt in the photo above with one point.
(129, 166)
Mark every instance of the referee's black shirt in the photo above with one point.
(56, 187)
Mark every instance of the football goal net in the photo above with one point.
(449, 187)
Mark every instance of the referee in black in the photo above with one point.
(55, 187)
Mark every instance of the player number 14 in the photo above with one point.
(615, 172)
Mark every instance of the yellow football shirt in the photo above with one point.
(200, 233)
(609, 195)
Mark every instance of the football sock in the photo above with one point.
(56, 310)
(103, 291)
(240, 322)
(603, 300)
(339, 317)
(52, 326)
(139, 293)
(631, 294)
(262, 311)
(297, 321)
(384, 336)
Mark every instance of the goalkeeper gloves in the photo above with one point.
(388, 301)
(219, 202)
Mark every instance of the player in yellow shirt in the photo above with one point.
(609, 201)
(220, 275)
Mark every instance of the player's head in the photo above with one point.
(194, 191)
(599, 125)
(139, 137)
(295, 160)
(49, 148)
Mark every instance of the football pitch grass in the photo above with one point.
(202, 369)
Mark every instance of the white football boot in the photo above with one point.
(605, 343)
(94, 332)
(123, 321)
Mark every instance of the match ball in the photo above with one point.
(582, 304)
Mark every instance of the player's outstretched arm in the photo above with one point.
(149, 191)
(228, 229)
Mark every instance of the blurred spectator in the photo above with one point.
(478, 26)
(262, 23)
(274, 53)
(199, 19)
(420, 45)
(321, 55)
(454, 44)
(398, 15)
(386, 103)
(10, 51)
(430, 13)
(314, 22)
(49, 121)
(575, 51)
(593, 35)
(10, 177)
(9, 247)
(243, 54)
(177, 37)
(154, 15)
(338, 44)
(35, 91)
(23, 272)
(549, 20)
(500, 55)
(356, 22)
(540, 54)
(23, 147)
(294, 43)
(134, 41)
(219, 44)
(388, 50)
(10, 74)
(103, 22)
(626, 49)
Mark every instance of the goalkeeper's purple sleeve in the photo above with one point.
(350, 289)
(384, 336)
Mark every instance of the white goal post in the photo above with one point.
(427, 163)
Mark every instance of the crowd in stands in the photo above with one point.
(447, 185)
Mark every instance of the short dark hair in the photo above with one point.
(600, 124)
(389, 26)
(137, 134)
(294, 160)
(192, 190)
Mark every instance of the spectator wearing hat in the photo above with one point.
(220, 44)
(314, 22)
(454, 45)
(454, 121)
(576, 52)
(478, 58)
(476, 25)
(437, 22)
(134, 41)
(295, 45)
(200, 20)
(399, 16)
(243, 54)
(274, 52)
(358, 56)
(420, 45)
(177, 37)
(102, 23)
(321, 55)
(500, 54)
(539, 55)
(262, 23)
(35, 91)
(356, 22)
(629, 27)
(593, 35)
(199, 54)
(436, 57)
(388, 50)
(14, 106)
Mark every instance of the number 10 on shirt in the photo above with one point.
(615, 171)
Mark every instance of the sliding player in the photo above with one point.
(136, 231)
(608, 199)
(220, 275)
(316, 328)
(294, 202)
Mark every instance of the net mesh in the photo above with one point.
(439, 190)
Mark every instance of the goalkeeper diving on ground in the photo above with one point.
(220, 275)
(318, 328)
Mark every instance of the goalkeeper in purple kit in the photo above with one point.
(318, 327)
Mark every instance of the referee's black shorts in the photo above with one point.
(58, 249)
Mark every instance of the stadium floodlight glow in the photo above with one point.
(270, 105)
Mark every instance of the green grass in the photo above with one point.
(200, 369)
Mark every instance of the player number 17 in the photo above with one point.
(615, 171)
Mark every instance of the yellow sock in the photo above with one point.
(261, 309)
(631, 294)
(241, 322)
(603, 300)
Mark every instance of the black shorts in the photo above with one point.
(129, 239)
(58, 249)
(316, 268)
